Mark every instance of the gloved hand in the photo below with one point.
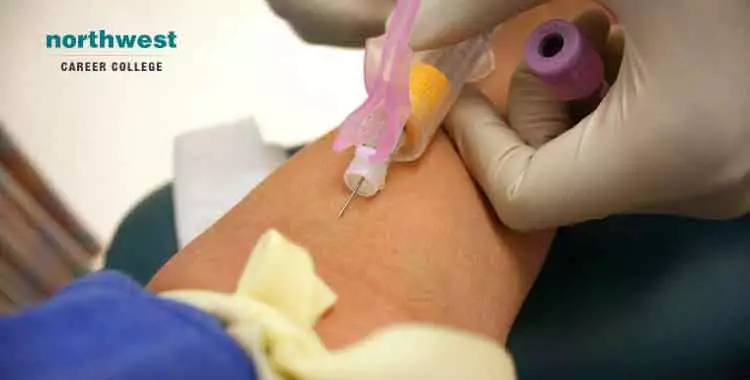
(671, 136)
(335, 22)
(351, 22)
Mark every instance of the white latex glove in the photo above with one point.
(672, 135)
(334, 22)
(351, 22)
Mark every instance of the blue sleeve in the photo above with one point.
(105, 326)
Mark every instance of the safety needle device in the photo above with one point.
(409, 95)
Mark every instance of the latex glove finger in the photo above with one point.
(446, 22)
(488, 146)
(533, 110)
(534, 113)
(627, 155)
(612, 53)
(529, 189)
(334, 22)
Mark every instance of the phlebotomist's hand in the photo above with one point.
(671, 135)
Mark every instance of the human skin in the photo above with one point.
(427, 248)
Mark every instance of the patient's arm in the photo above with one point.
(427, 248)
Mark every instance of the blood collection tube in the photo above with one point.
(560, 55)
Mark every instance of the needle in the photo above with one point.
(351, 197)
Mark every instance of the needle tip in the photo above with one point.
(350, 197)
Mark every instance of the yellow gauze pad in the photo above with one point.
(278, 300)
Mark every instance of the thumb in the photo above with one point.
(446, 22)
(489, 148)
(590, 171)
(529, 189)
(533, 110)
(626, 155)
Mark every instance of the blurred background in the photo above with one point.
(103, 140)
(80, 149)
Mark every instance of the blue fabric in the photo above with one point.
(105, 326)
(639, 297)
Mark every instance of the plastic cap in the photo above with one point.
(563, 59)
(363, 167)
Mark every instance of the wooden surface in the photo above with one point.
(42, 247)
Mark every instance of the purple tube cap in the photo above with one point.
(559, 54)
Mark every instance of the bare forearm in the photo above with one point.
(425, 249)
